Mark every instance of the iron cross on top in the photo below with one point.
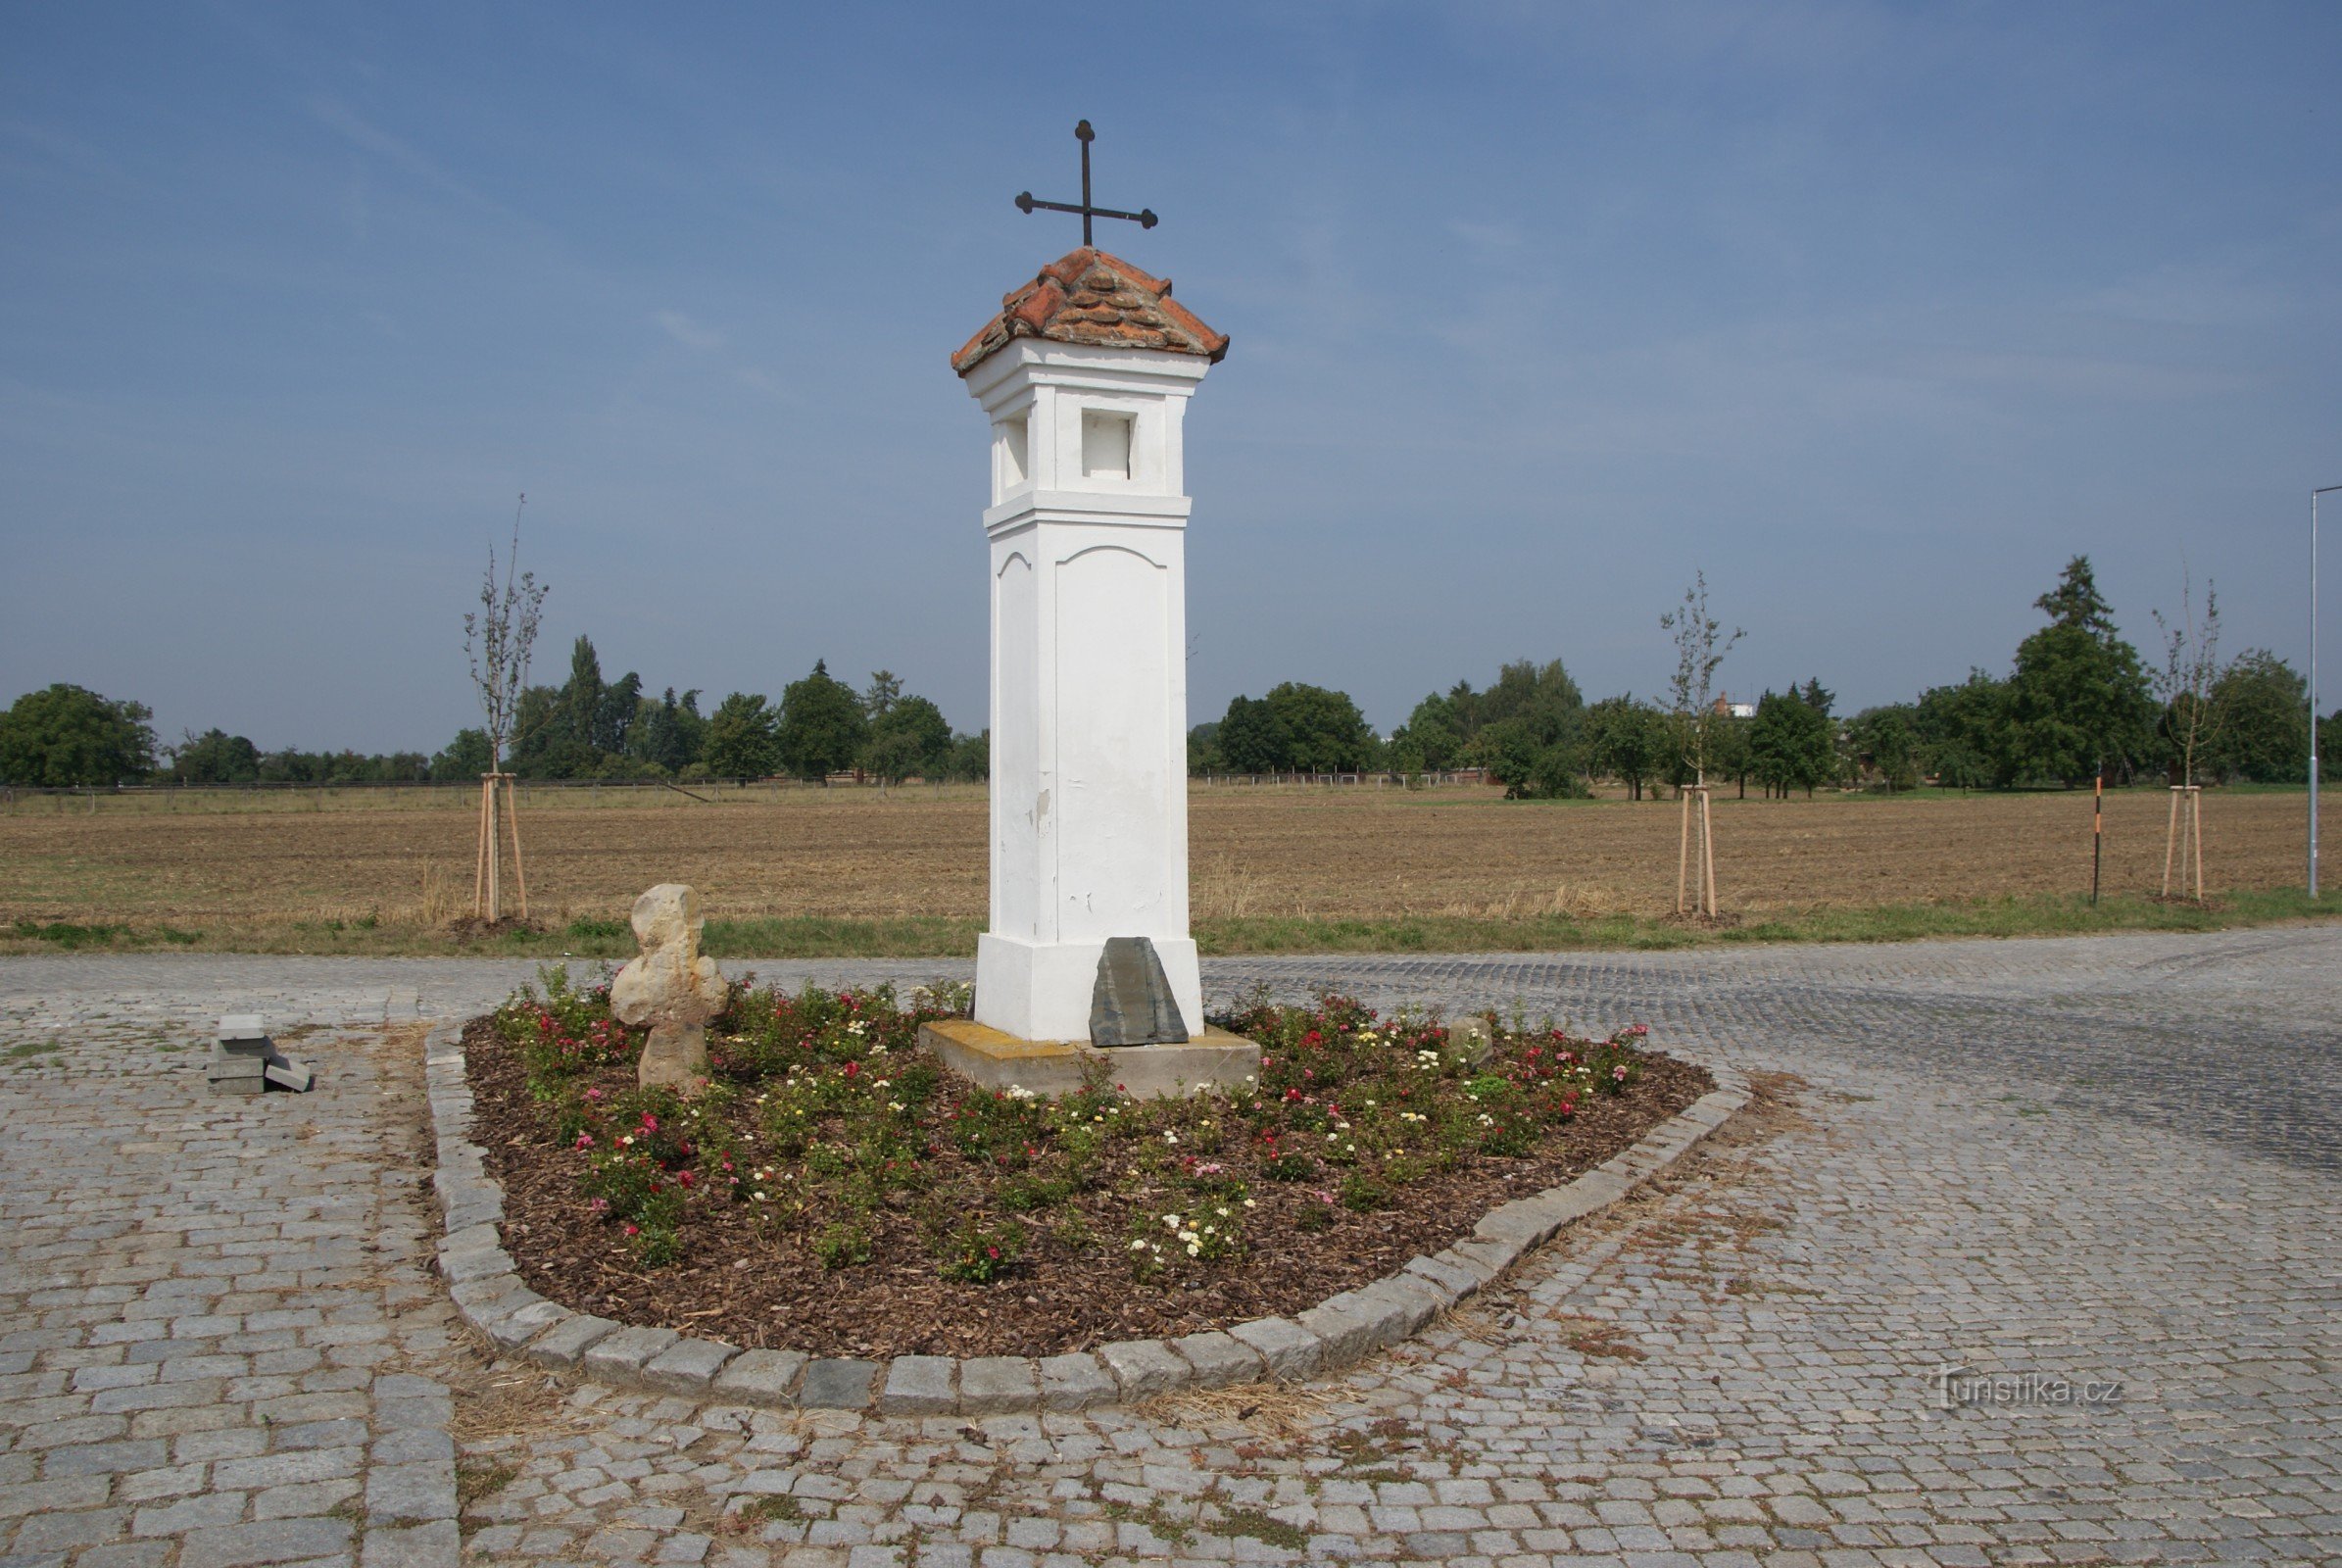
(1026, 201)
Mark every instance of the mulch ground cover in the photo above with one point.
(1093, 1244)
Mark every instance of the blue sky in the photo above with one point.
(1875, 314)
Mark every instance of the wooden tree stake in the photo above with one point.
(1705, 862)
(2187, 808)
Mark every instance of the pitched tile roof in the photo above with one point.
(1087, 296)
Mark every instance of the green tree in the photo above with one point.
(2259, 733)
(540, 745)
(822, 726)
(743, 737)
(463, 760)
(672, 732)
(2078, 696)
(909, 735)
(615, 715)
(1251, 739)
(1626, 740)
(884, 692)
(1728, 756)
(971, 757)
(67, 736)
(1433, 738)
(1963, 733)
(1323, 730)
(1542, 695)
(215, 758)
(1204, 750)
(1886, 742)
(1791, 742)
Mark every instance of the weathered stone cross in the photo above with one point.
(1026, 202)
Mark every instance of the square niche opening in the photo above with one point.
(1105, 445)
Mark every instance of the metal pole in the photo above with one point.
(1083, 134)
(2097, 829)
(2313, 495)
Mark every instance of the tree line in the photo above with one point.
(2077, 696)
(585, 728)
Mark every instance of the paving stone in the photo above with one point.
(624, 1353)
(1289, 1350)
(992, 1384)
(1220, 1359)
(759, 1376)
(1075, 1382)
(1970, 1155)
(1145, 1368)
(273, 1540)
(689, 1365)
(566, 1343)
(918, 1384)
(834, 1383)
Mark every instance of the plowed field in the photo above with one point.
(1256, 853)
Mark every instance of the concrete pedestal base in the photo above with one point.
(1041, 991)
(1216, 1060)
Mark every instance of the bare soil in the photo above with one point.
(1256, 853)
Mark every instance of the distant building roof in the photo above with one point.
(1087, 296)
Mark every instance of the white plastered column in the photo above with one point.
(1088, 532)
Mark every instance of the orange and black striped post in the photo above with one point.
(2097, 830)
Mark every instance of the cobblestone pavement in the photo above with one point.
(2114, 1161)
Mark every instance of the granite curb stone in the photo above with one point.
(1346, 1328)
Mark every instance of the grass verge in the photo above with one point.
(925, 937)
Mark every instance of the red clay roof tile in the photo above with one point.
(1087, 296)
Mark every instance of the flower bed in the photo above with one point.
(835, 1191)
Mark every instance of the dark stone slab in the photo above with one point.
(1133, 1005)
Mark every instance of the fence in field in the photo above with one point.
(280, 795)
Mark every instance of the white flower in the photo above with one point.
(1223, 1213)
(893, 1105)
(1170, 1136)
(1139, 1247)
(1248, 1204)
(1020, 1091)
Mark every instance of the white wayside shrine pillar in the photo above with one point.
(1085, 374)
